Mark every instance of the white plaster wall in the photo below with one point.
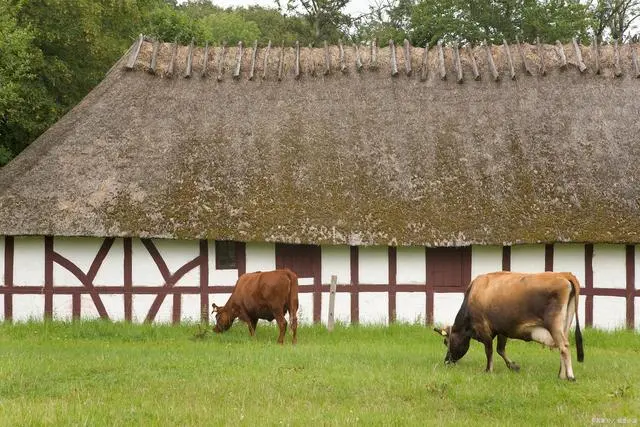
(1, 261)
(445, 307)
(373, 265)
(219, 277)
(219, 299)
(609, 267)
(411, 307)
(305, 308)
(637, 311)
(142, 303)
(28, 262)
(82, 251)
(261, 257)
(609, 312)
(62, 307)
(111, 272)
(114, 304)
(411, 265)
(175, 254)
(342, 308)
(336, 260)
(1, 307)
(485, 259)
(144, 271)
(28, 307)
(190, 309)
(527, 258)
(374, 307)
(569, 257)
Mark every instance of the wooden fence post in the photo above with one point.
(332, 302)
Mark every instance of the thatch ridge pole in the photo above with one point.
(134, 53)
(474, 64)
(634, 60)
(343, 66)
(394, 64)
(507, 51)
(266, 60)
(174, 54)
(542, 70)
(187, 73)
(296, 70)
(424, 67)
(236, 71)
(359, 65)
(327, 59)
(523, 58)
(407, 57)
(457, 63)
(373, 61)
(254, 54)
(223, 52)
(441, 66)
(563, 56)
(281, 63)
(205, 60)
(490, 63)
(154, 57)
(617, 71)
(580, 64)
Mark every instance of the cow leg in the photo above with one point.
(253, 323)
(568, 320)
(502, 344)
(488, 351)
(282, 325)
(293, 318)
(566, 370)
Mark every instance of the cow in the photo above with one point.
(530, 307)
(262, 295)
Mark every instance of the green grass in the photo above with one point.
(100, 373)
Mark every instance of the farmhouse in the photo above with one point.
(401, 170)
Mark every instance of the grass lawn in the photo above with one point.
(100, 373)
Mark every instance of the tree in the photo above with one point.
(615, 18)
(386, 20)
(325, 17)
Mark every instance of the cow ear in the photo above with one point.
(215, 308)
(441, 331)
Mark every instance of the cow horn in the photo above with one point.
(441, 331)
(215, 308)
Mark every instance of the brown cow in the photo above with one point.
(530, 307)
(262, 295)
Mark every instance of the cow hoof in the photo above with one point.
(514, 367)
(572, 379)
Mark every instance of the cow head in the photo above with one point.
(224, 319)
(456, 342)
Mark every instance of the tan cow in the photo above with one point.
(262, 295)
(530, 307)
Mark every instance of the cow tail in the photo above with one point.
(575, 290)
(293, 294)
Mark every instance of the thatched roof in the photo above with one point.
(342, 149)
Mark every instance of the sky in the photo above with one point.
(355, 7)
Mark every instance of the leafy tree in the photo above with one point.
(324, 16)
(616, 19)
(277, 27)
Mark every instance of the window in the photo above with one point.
(226, 257)
(449, 267)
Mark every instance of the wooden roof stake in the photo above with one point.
(359, 65)
(617, 70)
(189, 69)
(135, 51)
(525, 62)
(457, 63)
(441, 66)
(490, 63)
(296, 66)
(266, 60)
(254, 54)
(394, 63)
(373, 61)
(507, 51)
(580, 64)
(223, 52)
(474, 63)
(343, 66)
(542, 69)
(424, 66)
(236, 71)
(327, 59)
(205, 61)
(281, 63)
(596, 53)
(407, 57)
(154, 57)
(174, 54)
(634, 61)
(563, 56)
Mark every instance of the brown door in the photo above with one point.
(304, 260)
(449, 268)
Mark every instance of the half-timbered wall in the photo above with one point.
(171, 281)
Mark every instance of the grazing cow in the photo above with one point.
(262, 295)
(530, 307)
